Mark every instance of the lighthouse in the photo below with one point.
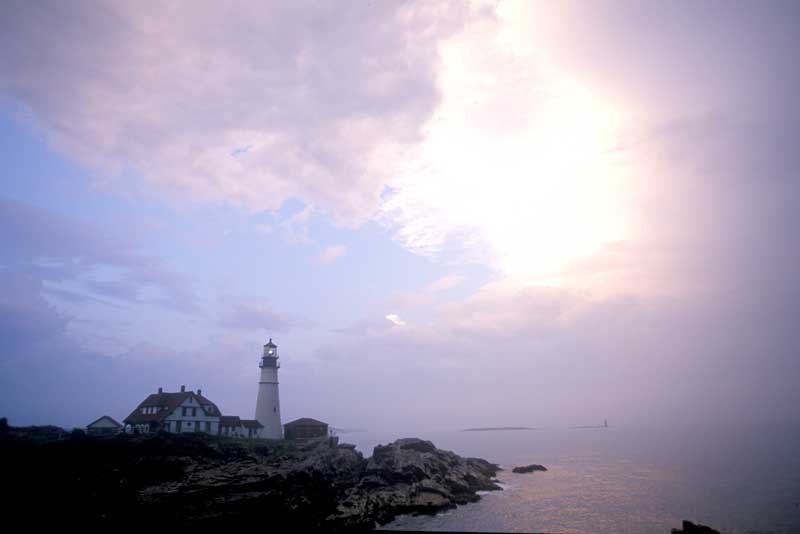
(268, 406)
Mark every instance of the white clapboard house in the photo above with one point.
(183, 411)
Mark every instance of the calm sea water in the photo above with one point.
(737, 479)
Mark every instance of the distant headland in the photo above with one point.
(604, 425)
(493, 428)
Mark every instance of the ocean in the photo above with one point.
(736, 479)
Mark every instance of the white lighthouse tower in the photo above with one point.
(268, 406)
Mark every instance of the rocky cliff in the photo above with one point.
(204, 480)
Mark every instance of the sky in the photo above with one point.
(445, 214)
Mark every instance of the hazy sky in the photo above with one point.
(444, 213)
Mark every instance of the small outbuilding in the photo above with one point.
(233, 426)
(305, 428)
(230, 425)
(252, 428)
(104, 426)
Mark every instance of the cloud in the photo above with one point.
(476, 132)
(664, 198)
(96, 262)
(331, 254)
(25, 316)
(426, 296)
(280, 101)
(255, 316)
(363, 327)
(395, 319)
(713, 215)
(45, 372)
(516, 167)
(444, 283)
(550, 356)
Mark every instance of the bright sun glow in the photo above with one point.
(518, 161)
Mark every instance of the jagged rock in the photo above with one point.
(529, 468)
(412, 476)
(691, 528)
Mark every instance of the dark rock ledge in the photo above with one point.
(529, 468)
(196, 479)
(691, 528)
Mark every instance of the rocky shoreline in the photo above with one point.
(198, 479)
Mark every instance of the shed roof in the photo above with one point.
(251, 423)
(305, 421)
(116, 423)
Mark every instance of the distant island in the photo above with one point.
(491, 428)
(604, 425)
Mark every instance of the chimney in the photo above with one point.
(183, 389)
(160, 390)
(199, 392)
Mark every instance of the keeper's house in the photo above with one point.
(183, 411)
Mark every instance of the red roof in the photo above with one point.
(230, 420)
(306, 421)
(234, 420)
(168, 402)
